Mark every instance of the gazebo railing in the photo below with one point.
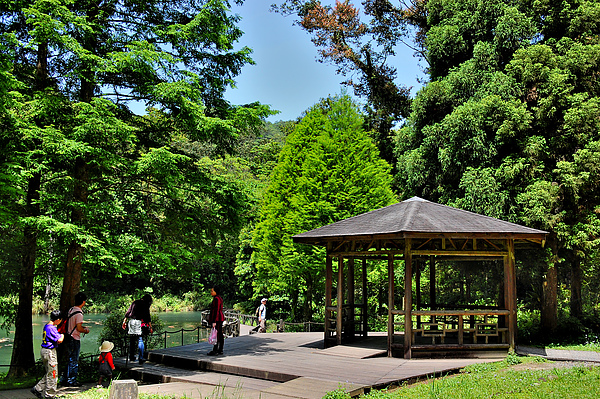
(462, 329)
(353, 321)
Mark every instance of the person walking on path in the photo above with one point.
(216, 319)
(262, 316)
(140, 325)
(105, 364)
(74, 329)
(46, 387)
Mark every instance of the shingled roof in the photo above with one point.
(418, 216)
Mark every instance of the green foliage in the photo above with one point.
(512, 359)
(95, 190)
(7, 382)
(328, 170)
(339, 393)
(508, 127)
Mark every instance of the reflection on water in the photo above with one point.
(89, 343)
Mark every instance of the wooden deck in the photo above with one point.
(286, 365)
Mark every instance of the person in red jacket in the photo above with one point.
(216, 319)
(105, 364)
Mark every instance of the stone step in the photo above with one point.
(167, 380)
(159, 373)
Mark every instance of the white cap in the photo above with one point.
(264, 300)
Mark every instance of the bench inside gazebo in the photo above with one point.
(419, 233)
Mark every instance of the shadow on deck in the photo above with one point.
(285, 364)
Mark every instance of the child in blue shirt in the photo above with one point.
(46, 387)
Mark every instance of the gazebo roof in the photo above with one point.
(418, 217)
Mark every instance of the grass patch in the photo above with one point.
(102, 393)
(218, 392)
(501, 380)
(592, 347)
(22, 382)
(17, 383)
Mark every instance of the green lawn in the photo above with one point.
(501, 380)
(594, 347)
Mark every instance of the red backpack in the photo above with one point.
(63, 325)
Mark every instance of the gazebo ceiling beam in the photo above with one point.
(423, 247)
(537, 239)
(399, 253)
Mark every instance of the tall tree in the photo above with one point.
(328, 170)
(362, 50)
(509, 120)
(79, 65)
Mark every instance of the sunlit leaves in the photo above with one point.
(328, 170)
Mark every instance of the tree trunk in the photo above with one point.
(308, 297)
(48, 290)
(549, 315)
(575, 304)
(23, 358)
(72, 276)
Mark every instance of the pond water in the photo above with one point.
(173, 321)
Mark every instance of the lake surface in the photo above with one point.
(173, 321)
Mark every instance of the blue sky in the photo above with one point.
(287, 75)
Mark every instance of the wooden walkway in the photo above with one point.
(284, 365)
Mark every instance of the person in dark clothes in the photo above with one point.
(216, 319)
(140, 325)
(73, 337)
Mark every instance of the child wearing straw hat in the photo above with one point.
(105, 364)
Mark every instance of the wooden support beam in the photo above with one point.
(418, 285)
(390, 304)
(408, 299)
(466, 252)
(365, 299)
(350, 328)
(340, 300)
(328, 295)
(432, 299)
(510, 293)
(461, 330)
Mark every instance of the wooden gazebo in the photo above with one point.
(419, 231)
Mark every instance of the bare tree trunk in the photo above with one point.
(549, 311)
(72, 275)
(48, 290)
(308, 298)
(23, 358)
(575, 304)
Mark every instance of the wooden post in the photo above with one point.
(510, 293)
(408, 299)
(365, 299)
(432, 287)
(340, 300)
(390, 304)
(328, 303)
(418, 285)
(351, 329)
(461, 330)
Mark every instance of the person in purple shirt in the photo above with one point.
(46, 387)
